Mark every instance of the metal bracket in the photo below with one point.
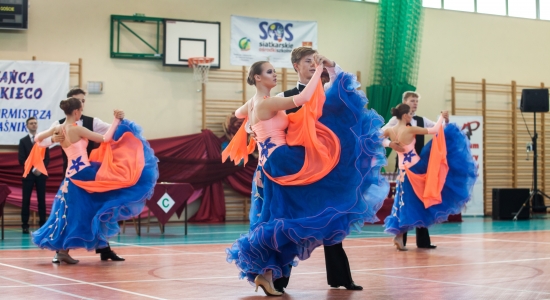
(118, 22)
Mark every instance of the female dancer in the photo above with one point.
(319, 172)
(435, 184)
(99, 191)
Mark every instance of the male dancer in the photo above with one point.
(411, 99)
(336, 260)
(95, 125)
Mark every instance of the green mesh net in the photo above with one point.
(396, 53)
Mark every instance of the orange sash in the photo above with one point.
(36, 159)
(428, 186)
(237, 148)
(322, 146)
(121, 165)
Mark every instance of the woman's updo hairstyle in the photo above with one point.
(400, 110)
(69, 105)
(255, 69)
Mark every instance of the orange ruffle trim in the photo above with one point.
(428, 186)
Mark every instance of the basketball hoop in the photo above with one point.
(201, 66)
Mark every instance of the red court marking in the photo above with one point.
(469, 266)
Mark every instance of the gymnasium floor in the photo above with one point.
(476, 259)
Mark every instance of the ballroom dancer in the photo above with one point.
(411, 99)
(433, 185)
(97, 191)
(98, 126)
(319, 172)
(336, 260)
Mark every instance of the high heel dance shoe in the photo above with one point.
(260, 281)
(398, 242)
(66, 258)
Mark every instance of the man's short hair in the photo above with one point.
(30, 118)
(75, 91)
(298, 53)
(408, 94)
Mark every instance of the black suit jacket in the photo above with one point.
(420, 137)
(293, 92)
(25, 147)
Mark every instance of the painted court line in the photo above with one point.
(44, 287)
(294, 273)
(497, 240)
(461, 284)
(79, 281)
(456, 265)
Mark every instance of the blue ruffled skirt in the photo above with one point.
(288, 222)
(409, 212)
(87, 220)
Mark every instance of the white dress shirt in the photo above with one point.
(98, 125)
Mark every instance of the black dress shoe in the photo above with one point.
(25, 231)
(112, 256)
(352, 287)
(428, 247)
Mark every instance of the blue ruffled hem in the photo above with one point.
(289, 222)
(409, 212)
(83, 220)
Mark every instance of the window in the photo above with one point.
(544, 6)
(431, 3)
(493, 7)
(522, 8)
(513, 8)
(462, 5)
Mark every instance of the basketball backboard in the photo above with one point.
(184, 39)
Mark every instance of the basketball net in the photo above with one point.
(201, 66)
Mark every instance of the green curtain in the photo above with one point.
(396, 54)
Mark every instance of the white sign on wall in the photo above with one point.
(472, 126)
(30, 89)
(254, 39)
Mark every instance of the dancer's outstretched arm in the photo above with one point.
(266, 107)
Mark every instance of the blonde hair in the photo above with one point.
(408, 94)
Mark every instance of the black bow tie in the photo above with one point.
(301, 87)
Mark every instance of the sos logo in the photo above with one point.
(276, 31)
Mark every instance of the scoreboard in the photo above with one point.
(14, 14)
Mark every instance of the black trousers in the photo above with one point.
(337, 264)
(104, 250)
(28, 184)
(422, 237)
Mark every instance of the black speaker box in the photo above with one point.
(507, 202)
(534, 100)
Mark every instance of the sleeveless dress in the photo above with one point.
(409, 210)
(94, 195)
(287, 222)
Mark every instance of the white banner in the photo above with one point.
(254, 39)
(30, 89)
(472, 126)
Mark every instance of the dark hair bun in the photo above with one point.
(250, 80)
(394, 112)
(400, 110)
(69, 105)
